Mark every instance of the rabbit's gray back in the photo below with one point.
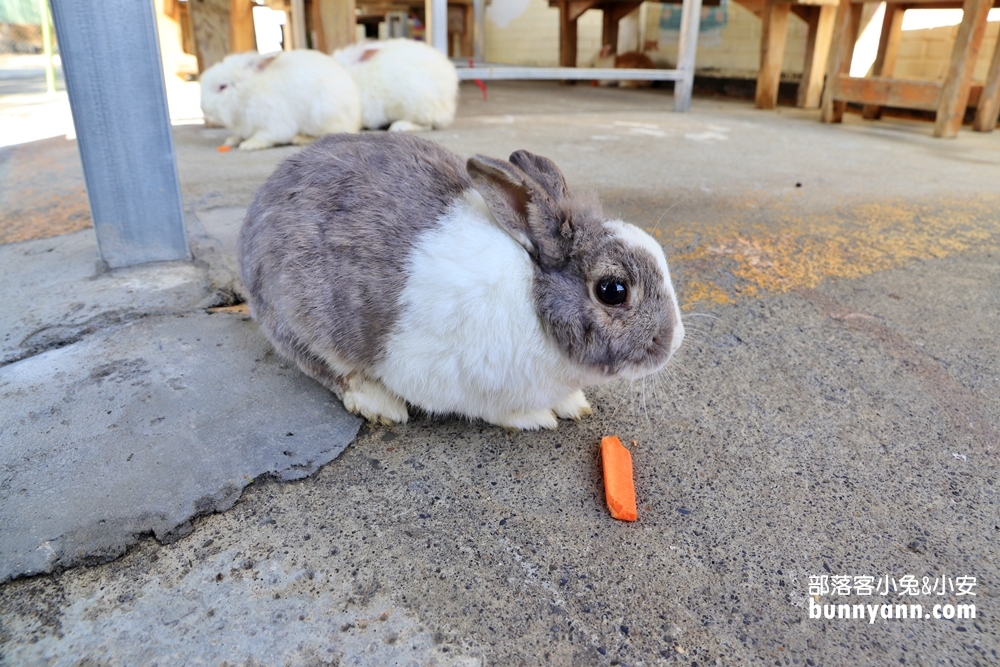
(325, 244)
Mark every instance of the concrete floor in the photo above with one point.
(832, 412)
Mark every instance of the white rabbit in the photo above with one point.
(394, 273)
(404, 84)
(289, 97)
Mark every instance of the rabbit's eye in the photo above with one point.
(611, 291)
(222, 86)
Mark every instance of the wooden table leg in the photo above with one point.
(820, 21)
(888, 48)
(845, 34)
(334, 24)
(955, 94)
(468, 31)
(989, 101)
(609, 29)
(569, 12)
(567, 40)
(241, 33)
(774, 27)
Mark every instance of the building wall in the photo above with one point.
(526, 32)
(925, 54)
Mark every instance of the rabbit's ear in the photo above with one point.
(524, 209)
(544, 172)
(261, 63)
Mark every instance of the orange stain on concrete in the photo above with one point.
(799, 251)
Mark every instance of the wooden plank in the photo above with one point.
(567, 37)
(241, 32)
(888, 48)
(297, 22)
(818, 40)
(467, 42)
(845, 34)
(609, 30)
(812, 3)
(334, 24)
(613, 14)
(576, 8)
(988, 107)
(755, 7)
(210, 24)
(889, 92)
(955, 94)
(774, 29)
(928, 4)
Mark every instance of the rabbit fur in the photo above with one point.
(404, 84)
(396, 274)
(289, 97)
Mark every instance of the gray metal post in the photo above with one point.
(111, 62)
(479, 34)
(686, 49)
(436, 24)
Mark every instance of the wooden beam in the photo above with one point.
(774, 27)
(609, 30)
(889, 92)
(818, 40)
(297, 21)
(888, 48)
(955, 94)
(334, 24)
(241, 33)
(755, 7)
(845, 34)
(210, 25)
(613, 14)
(576, 8)
(989, 102)
(567, 36)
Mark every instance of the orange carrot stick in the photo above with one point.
(619, 489)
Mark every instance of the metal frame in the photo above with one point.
(683, 75)
(111, 63)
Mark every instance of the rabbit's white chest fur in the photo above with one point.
(469, 339)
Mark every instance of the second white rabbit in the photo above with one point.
(404, 84)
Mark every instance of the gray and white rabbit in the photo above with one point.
(396, 274)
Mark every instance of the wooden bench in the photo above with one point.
(948, 98)
(614, 11)
(819, 17)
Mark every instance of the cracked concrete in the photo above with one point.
(103, 376)
(832, 412)
(116, 440)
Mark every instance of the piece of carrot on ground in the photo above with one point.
(619, 489)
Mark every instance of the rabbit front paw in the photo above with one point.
(528, 421)
(574, 406)
(371, 400)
